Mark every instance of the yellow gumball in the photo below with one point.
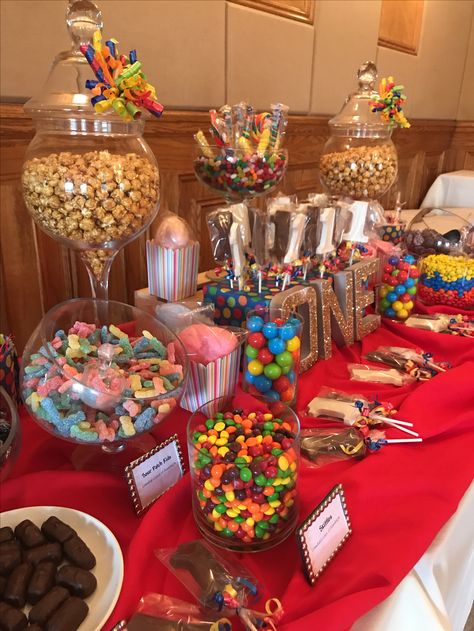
(293, 344)
(397, 305)
(383, 291)
(255, 367)
(402, 314)
(409, 305)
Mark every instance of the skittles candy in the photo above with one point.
(272, 351)
(398, 291)
(447, 280)
(244, 469)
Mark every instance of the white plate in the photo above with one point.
(109, 568)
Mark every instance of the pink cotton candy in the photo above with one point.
(205, 343)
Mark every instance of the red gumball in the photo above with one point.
(405, 298)
(279, 321)
(403, 265)
(386, 278)
(388, 268)
(265, 356)
(403, 276)
(414, 273)
(257, 340)
(277, 409)
(393, 281)
(281, 384)
(288, 394)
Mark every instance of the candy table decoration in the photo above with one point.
(272, 355)
(89, 179)
(102, 373)
(399, 287)
(244, 470)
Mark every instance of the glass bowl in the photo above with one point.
(244, 484)
(101, 372)
(10, 434)
(238, 177)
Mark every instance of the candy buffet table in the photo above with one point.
(399, 499)
(451, 189)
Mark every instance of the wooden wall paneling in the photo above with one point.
(31, 284)
(300, 10)
(400, 25)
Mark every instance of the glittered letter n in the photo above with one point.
(364, 323)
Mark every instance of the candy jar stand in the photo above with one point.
(89, 180)
(102, 375)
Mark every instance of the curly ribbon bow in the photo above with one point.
(389, 103)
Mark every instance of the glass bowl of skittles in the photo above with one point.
(399, 287)
(272, 355)
(244, 461)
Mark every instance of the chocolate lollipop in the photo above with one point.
(279, 235)
(219, 223)
(143, 622)
(323, 445)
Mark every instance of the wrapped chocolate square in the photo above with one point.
(172, 259)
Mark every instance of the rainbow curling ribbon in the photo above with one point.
(389, 103)
(120, 83)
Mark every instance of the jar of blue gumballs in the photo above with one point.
(272, 355)
(399, 287)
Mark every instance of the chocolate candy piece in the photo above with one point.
(6, 534)
(29, 534)
(43, 579)
(45, 608)
(69, 616)
(56, 530)
(11, 619)
(48, 552)
(78, 581)
(10, 556)
(76, 551)
(15, 590)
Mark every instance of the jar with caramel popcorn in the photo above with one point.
(89, 180)
(359, 160)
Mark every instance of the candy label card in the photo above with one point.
(154, 473)
(323, 533)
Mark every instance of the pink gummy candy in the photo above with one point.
(132, 407)
(158, 385)
(205, 343)
(57, 342)
(166, 368)
(66, 385)
(82, 329)
(171, 352)
(52, 384)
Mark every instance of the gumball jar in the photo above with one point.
(447, 280)
(244, 461)
(272, 355)
(399, 287)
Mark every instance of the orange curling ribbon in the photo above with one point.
(274, 610)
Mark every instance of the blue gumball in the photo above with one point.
(391, 296)
(410, 282)
(408, 258)
(270, 330)
(287, 331)
(272, 395)
(294, 322)
(390, 313)
(393, 260)
(262, 383)
(291, 376)
(276, 346)
(249, 378)
(400, 289)
(255, 324)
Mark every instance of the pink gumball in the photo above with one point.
(172, 233)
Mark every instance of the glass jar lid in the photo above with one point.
(356, 117)
(64, 90)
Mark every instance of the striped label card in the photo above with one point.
(172, 274)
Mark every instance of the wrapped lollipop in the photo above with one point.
(217, 583)
(229, 231)
(413, 362)
(172, 259)
(322, 446)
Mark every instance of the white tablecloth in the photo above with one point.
(437, 595)
(454, 189)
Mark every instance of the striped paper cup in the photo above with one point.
(172, 274)
(207, 383)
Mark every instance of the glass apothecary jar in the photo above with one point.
(359, 160)
(244, 460)
(89, 180)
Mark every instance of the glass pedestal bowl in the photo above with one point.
(244, 459)
(10, 434)
(103, 374)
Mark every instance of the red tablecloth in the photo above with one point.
(398, 498)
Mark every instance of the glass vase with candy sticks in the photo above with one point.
(244, 160)
(89, 179)
(102, 375)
